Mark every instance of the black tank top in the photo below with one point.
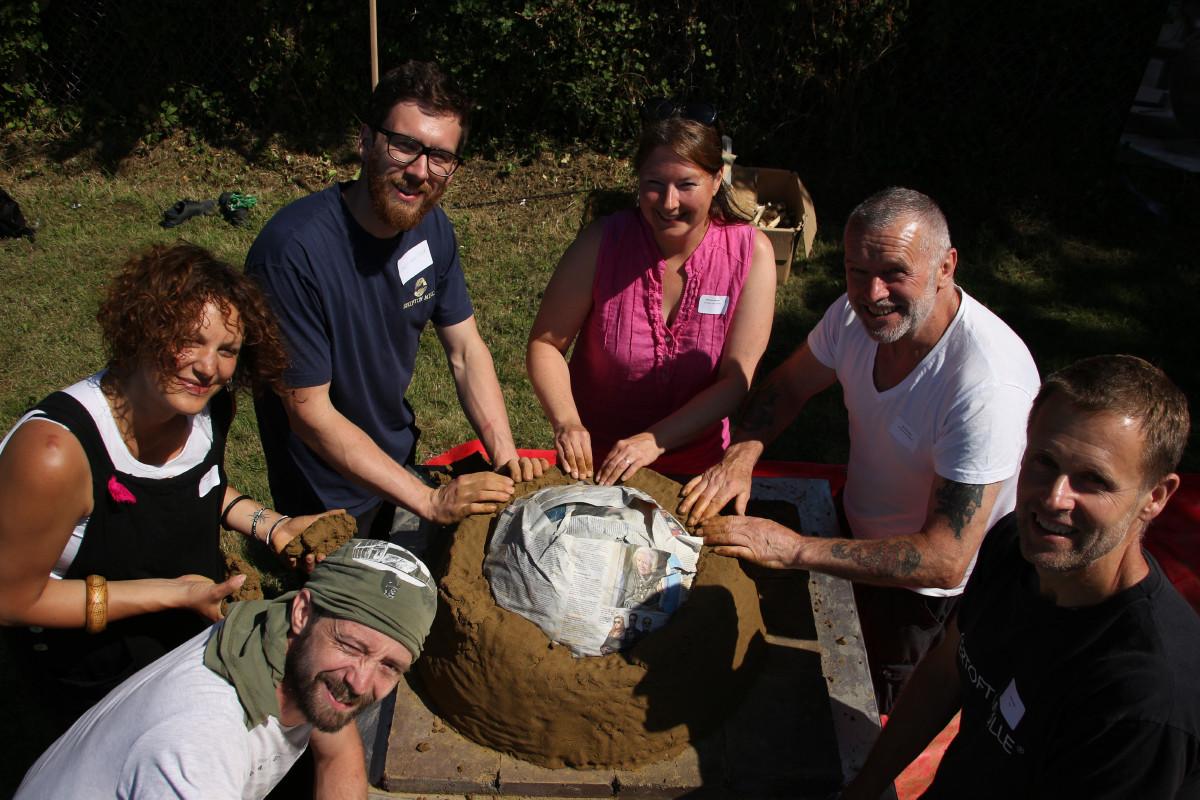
(139, 528)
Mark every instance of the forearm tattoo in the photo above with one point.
(759, 413)
(882, 558)
(958, 502)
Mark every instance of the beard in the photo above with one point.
(396, 213)
(307, 687)
(1087, 544)
(911, 317)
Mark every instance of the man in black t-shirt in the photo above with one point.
(1075, 663)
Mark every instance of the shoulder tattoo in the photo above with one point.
(958, 502)
(881, 558)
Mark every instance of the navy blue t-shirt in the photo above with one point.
(352, 308)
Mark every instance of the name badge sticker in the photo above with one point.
(903, 433)
(210, 481)
(713, 304)
(1011, 707)
(414, 261)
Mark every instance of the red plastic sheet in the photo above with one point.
(1172, 539)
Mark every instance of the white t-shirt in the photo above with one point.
(960, 414)
(173, 730)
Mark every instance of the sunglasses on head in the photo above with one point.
(660, 108)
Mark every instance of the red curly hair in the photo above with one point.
(152, 312)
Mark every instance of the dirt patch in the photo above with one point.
(252, 589)
(496, 677)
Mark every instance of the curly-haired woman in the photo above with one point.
(114, 488)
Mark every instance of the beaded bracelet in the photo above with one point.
(254, 522)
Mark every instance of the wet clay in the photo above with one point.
(322, 537)
(495, 676)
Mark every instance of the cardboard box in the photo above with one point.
(758, 186)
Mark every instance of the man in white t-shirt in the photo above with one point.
(937, 389)
(226, 714)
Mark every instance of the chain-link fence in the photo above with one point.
(860, 88)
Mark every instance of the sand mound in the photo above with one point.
(496, 677)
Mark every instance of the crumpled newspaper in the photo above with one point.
(597, 568)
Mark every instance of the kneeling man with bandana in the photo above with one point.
(228, 713)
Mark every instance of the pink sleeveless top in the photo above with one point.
(629, 370)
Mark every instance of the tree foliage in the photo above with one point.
(860, 92)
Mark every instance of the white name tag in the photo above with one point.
(209, 481)
(904, 434)
(412, 262)
(1011, 707)
(713, 304)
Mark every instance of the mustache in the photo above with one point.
(341, 692)
(398, 180)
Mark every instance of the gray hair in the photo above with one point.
(882, 209)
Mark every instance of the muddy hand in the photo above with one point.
(203, 596)
(707, 493)
(477, 493)
(760, 541)
(524, 468)
(291, 528)
(574, 447)
(627, 457)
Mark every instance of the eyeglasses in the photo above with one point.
(660, 108)
(405, 150)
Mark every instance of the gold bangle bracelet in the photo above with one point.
(95, 613)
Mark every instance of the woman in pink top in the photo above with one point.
(670, 309)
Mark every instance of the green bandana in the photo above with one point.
(380, 585)
(248, 650)
(373, 583)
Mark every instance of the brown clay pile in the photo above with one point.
(496, 677)
(320, 538)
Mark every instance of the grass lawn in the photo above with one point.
(1078, 271)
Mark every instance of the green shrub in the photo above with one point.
(567, 70)
(21, 44)
(854, 94)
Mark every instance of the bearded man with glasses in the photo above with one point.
(354, 273)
